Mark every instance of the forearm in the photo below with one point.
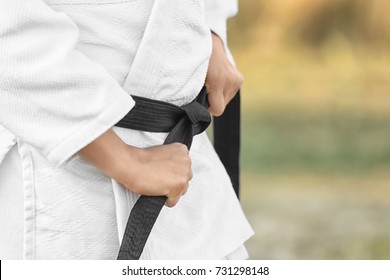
(112, 156)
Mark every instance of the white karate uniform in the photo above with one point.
(67, 70)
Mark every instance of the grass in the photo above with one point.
(320, 110)
(316, 185)
(316, 149)
(335, 142)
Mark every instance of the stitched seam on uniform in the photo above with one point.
(114, 186)
(29, 201)
(33, 201)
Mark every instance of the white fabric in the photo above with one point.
(67, 70)
(11, 206)
(52, 96)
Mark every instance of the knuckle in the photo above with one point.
(182, 182)
(240, 81)
(237, 82)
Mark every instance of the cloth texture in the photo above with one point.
(68, 70)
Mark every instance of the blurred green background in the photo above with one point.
(316, 127)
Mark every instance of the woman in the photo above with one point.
(69, 178)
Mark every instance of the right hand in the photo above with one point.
(161, 170)
(156, 171)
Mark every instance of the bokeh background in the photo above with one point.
(316, 127)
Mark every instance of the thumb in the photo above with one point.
(217, 102)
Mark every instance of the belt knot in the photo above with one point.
(182, 123)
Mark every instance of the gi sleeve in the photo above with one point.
(7, 141)
(51, 95)
(217, 14)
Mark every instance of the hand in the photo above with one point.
(157, 171)
(162, 170)
(223, 80)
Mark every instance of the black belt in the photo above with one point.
(228, 126)
(182, 123)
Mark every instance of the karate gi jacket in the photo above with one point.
(68, 69)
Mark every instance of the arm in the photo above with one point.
(223, 79)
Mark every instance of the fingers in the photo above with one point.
(220, 96)
(183, 174)
(174, 199)
(217, 102)
(235, 85)
(223, 80)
